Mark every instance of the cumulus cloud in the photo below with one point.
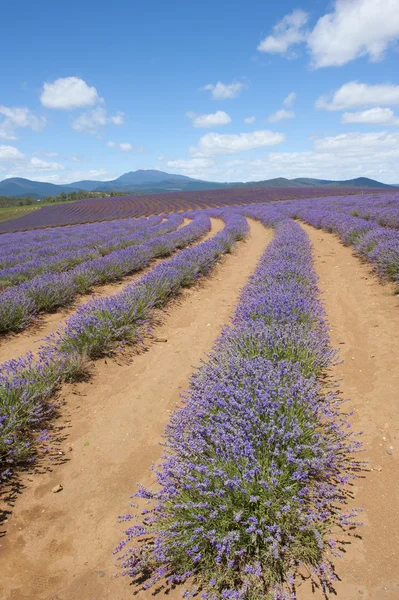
(286, 33)
(37, 164)
(289, 100)
(18, 117)
(343, 156)
(67, 93)
(216, 143)
(118, 119)
(360, 144)
(125, 147)
(354, 28)
(372, 116)
(91, 121)
(189, 165)
(209, 120)
(10, 153)
(281, 114)
(224, 91)
(249, 120)
(355, 94)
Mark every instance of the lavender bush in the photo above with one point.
(250, 485)
(27, 385)
(55, 255)
(44, 293)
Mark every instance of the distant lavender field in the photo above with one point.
(106, 209)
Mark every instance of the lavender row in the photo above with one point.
(379, 245)
(15, 247)
(381, 208)
(20, 304)
(57, 257)
(27, 385)
(250, 483)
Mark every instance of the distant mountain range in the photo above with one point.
(152, 181)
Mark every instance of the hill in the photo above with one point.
(17, 186)
(153, 181)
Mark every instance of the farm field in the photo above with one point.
(15, 212)
(7, 214)
(279, 323)
(104, 209)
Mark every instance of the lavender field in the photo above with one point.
(106, 209)
(258, 456)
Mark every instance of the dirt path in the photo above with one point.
(364, 320)
(30, 340)
(58, 545)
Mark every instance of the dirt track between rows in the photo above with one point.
(364, 321)
(30, 340)
(58, 545)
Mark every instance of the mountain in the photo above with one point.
(363, 182)
(276, 182)
(152, 182)
(136, 180)
(17, 186)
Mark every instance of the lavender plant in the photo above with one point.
(250, 485)
(27, 385)
(44, 293)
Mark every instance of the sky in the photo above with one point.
(222, 91)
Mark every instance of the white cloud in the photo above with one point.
(7, 131)
(249, 120)
(126, 147)
(355, 94)
(118, 119)
(286, 33)
(16, 117)
(344, 156)
(355, 28)
(42, 165)
(373, 116)
(68, 93)
(90, 121)
(10, 153)
(161, 157)
(189, 165)
(223, 91)
(216, 143)
(281, 114)
(289, 100)
(360, 144)
(210, 120)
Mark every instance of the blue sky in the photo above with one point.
(225, 91)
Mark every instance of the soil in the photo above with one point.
(58, 542)
(364, 326)
(32, 338)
